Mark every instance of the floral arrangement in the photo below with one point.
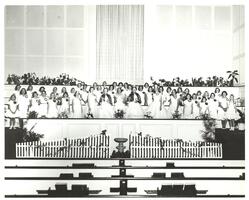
(89, 115)
(32, 115)
(148, 115)
(119, 114)
(209, 125)
(63, 115)
(176, 115)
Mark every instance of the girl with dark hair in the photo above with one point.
(52, 106)
(232, 113)
(12, 111)
(222, 109)
(29, 91)
(23, 102)
(156, 109)
(17, 91)
(188, 107)
(134, 109)
(35, 103)
(92, 103)
(119, 100)
(149, 96)
(63, 90)
(106, 109)
(213, 106)
(204, 106)
(41, 89)
(77, 111)
(173, 103)
(196, 107)
(43, 105)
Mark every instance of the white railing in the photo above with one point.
(90, 147)
(149, 147)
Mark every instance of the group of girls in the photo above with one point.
(103, 101)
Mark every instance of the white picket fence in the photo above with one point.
(149, 147)
(90, 147)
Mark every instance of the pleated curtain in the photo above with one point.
(120, 43)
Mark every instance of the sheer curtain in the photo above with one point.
(120, 43)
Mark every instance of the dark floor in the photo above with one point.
(233, 143)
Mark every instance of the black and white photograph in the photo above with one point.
(116, 100)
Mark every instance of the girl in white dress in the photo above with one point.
(52, 106)
(106, 109)
(63, 91)
(23, 103)
(166, 100)
(12, 110)
(17, 91)
(149, 96)
(217, 94)
(213, 106)
(222, 109)
(204, 106)
(35, 103)
(71, 97)
(65, 103)
(43, 105)
(173, 103)
(134, 109)
(29, 91)
(55, 91)
(199, 96)
(188, 107)
(92, 103)
(196, 107)
(232, 113)
(77, 106)
(156, 109)
(119, 101)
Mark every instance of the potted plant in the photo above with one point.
(241, 122)
(232, 77)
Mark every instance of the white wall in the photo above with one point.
(239, 41)
(187, 41)
(50, 40)
(180, 41)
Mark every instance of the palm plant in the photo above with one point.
(232, 77)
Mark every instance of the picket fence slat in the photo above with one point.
(96, 146)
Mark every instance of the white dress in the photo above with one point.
(119, 105)
(232, 113)
(35, 105)
(188, 109)
(106, 110)
(222, 115)
(149, 98)
(213, 108)
(23, 106)
(196, 109)
(173, 105)
(29, 93)
(52, 109)
(92, 104)
(12, 107)
(43, 106)
(203, 108)
(77, 107)
(154, 108)
(134, 109)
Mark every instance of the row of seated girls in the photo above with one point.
(104, 101)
